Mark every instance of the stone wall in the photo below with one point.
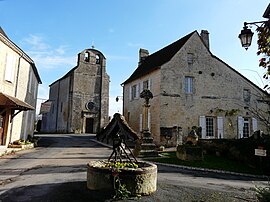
(217, 90)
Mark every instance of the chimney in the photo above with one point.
(205, 38)
(143, 53)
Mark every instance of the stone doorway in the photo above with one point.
(89, 127)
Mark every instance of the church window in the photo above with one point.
(86, 57)
(97, 59)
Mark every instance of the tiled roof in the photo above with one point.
(158, 58)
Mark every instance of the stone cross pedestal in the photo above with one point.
(148, 148)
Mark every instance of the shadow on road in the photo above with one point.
(70, 191)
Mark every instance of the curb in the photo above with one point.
(265, 177)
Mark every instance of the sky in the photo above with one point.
(53, 32)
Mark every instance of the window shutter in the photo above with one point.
(220, 127)
(141, 86)
(240, 126)
(137, 91)
(130, 93)
(254, 124)
(140, 122)
(149, 85)
(203, 126)
(10, 68)
(149, 121)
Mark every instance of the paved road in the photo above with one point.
(56, 171)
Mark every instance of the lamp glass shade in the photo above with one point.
(246, 37)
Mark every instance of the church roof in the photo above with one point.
(158, 58)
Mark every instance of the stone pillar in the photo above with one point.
(147, 147)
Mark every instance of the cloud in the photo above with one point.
(44, 55)
(35, 42)
(53, 61)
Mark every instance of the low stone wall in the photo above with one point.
(142, 180)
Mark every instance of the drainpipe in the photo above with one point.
(15, 95)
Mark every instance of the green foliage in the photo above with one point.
(120, 165)
(264, 48)
(21, 142)
(209, 162)
(232, 112)
(121, 191)
(263, 193)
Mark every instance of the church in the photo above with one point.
(79, 101)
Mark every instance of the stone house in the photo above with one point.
(19, 81)
(79, 101)
(192, 87)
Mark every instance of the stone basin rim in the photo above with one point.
(147, 168)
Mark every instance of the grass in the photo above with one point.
(209, 162)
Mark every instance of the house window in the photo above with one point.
(86, 57)
(209, 121)
(134, 90)
(190, 57)
(246, 95)
(188, 85)
(246, 126)
(145, 85)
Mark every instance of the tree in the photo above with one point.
(264, 49)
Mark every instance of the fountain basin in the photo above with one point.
(141, 180)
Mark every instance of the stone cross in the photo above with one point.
(146, 95)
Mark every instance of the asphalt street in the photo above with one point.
(56, 171)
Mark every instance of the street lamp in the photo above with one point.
(246, 34)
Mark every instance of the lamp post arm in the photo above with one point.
(254, 23)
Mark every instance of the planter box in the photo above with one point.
(23, 146)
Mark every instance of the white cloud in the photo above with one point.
(53, 61)
(45, 56)
(36, 42)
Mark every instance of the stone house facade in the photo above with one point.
(79, 101)
(19, 81)
(192, 87)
